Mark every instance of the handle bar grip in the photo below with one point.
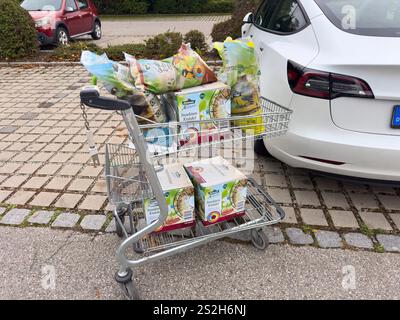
(90, 97)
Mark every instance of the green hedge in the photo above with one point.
(233, 26)
(18, 37)
(163, 6)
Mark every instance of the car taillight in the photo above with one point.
(325, 85)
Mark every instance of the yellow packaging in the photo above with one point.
(254, 125)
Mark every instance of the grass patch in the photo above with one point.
(379, 248)
(366, 230)
(307, 229)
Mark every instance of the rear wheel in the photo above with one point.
(62, 36)
(96, 34)
(260, 149)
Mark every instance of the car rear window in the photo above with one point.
(364, 17)
(42, 5)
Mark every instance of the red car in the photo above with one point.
(58, 21)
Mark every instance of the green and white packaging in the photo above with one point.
(220, 189)
(179, 195)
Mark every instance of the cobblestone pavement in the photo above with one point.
(47, 178)
(135, 30)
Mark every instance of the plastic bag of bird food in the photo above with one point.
(186, 69)
(115, 77)
(240, 70)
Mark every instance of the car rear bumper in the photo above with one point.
(368, 156)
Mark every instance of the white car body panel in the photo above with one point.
(354, 132)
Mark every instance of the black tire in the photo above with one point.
(97, 33)
(260, 149)
(259, 239)
(130, 290)
(118, 228)
(62, 36)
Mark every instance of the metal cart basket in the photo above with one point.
(131, 173)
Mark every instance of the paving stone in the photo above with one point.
(29, 168)
(14, 181)
(344, 219)
(390, 243)
(58, 183)
(274, 234)
(92, 202)
(44, 199)
(335, 200)
(70, 170)
(313, 217)
(66, 220)
(49, 169)
(390, 202)
(358, 240)
(15, 217)
(93, 222)
(80, 184)
(91, 171)
(8, 129)
(364, 201)
(4, 194)
(396, 219)
(280, 195)
(29, 116)
(307, 198)
(271, 166)
(41, 217)
(20, 197)
(275, 180)
(68, 200)
(297, 236)
(328, 239)
(290, 215)
(302, 182)
(355, 187)
(111, 226)
(2, 210)
(327, 184)
(375, 220)
(35, 182)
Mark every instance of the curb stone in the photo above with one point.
(390, 243)
(358, 240)
(328, 239)
(15, 217)
(297, 236)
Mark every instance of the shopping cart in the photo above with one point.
(131, 174)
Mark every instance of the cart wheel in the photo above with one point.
(118, 228)
(130, 290)
(259, 239)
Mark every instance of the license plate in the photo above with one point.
(396, 118)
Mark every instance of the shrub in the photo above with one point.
(163, 45)
(18, 36)
(233, 26)
(123, 6)
(116, 52)
(73, 51)
(197, 40)
(192, 6)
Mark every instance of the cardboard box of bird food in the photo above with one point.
(179, 194)
(220, 190)
(206, 102)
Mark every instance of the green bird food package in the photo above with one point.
(186, 69)
(179, 195)
(240, 70)
(220, 190)
(206, 102)
(115, 77)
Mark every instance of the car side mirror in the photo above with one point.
(249, 18)
(69, 9)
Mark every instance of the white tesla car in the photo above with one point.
(336, 64)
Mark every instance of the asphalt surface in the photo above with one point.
(85, 264)
(137, 29)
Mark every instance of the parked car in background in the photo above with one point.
(58, 21)
(336, 64)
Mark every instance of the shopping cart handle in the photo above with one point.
(90, 96)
